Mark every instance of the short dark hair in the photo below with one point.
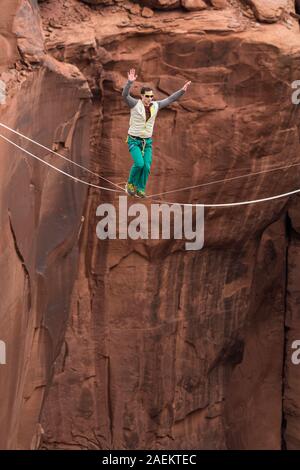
(144, 89)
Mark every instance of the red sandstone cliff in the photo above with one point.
(140, 344)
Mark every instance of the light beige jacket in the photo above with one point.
(138, 126)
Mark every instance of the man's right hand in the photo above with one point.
(131, 75)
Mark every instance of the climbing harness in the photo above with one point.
(138, 138)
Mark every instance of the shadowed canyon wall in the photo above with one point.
(141, 344)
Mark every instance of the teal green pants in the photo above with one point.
(141, 152)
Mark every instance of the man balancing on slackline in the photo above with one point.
(139, 139)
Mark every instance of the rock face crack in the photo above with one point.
(21, 258)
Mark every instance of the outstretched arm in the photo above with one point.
(170, 99)
(175, 96)
(128, 98)
(125, 93)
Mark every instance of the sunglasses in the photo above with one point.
(149, 96)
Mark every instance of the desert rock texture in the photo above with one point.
(140, 344)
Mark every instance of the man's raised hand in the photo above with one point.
(186, 85)
(131, 75)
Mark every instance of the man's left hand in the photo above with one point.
(186, 85)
